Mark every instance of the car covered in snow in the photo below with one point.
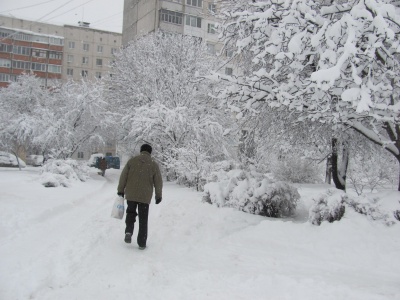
(34, 160)
(93, 159)
(9, 160)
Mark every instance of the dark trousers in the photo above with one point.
(143, 212)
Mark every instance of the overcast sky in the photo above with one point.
(101, 14)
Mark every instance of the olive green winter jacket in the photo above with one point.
(138, 177)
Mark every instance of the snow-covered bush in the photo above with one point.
(251, 192)
(396, 215)
(58, 172)
(328, 207)
(332, 205)
(297, 170)
(370, 207)
(371, 171)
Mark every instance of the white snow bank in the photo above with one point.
(64, 245)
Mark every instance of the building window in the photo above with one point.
(211, 28)
(80, 154)
(193, 21)
(70, 72)
(4, 77)
(56, 41)
(197, 3)
(229, 52)
(114, 51)
(6, 48)
(228, 71)
(171, 17)
(70, 58)
(85, 73)
(211, 48)
(38, 67)
(212, 8)
(4, 33)
(19, 64)
(85, 60)
(23, 37)
(71, 45)
(55, 55)
(99, 62)
(22, 50)
(85, 47)
(40, 39)
(54, 69)
(98, 75)
(39, 53)
(5, 63)
(100, 49)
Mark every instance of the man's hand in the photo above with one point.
(121, 194)
(158, 200)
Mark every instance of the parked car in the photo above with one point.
(113, 162)
(93, 159)
(34, 160)
(9, 160)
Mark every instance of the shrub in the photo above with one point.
(370, 208)
(328, 207)
(251, 192)
(332, 205)
(58, 172)
(296, 170)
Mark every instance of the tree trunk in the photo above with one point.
(16, 156)
(328, 172)
(398, 159)
(339, 172)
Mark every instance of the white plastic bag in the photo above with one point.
(118, 208)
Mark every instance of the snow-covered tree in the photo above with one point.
(55, 120)
(336, 63)
(156, 97)
(77, 115)
(22, 113)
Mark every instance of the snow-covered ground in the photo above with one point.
(61, 243)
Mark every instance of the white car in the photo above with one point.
(92, 160)
(9, 160)
(34, 160)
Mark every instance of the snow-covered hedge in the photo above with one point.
(58, 172)
(331, 206)
(251, 192)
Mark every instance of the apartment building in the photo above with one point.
(189, 17)
(54, 52)
(27, 51)
(88, 52)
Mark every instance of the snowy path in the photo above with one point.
(62, 244)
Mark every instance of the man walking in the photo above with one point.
(103, 166)
(139, 176)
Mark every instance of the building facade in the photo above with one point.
(26, 51)
(188, 17)
(88, 52)
(54, 52)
